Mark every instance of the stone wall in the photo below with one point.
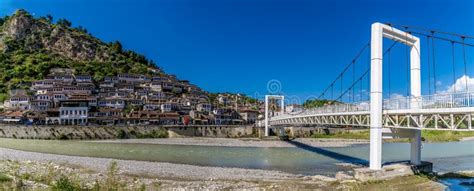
(118, 132)
(114, 132)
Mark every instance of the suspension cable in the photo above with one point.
(441, 38)
(353, 79)
(407, 62)
(346, 67)
(341, 86)
(364, 74)
(465, 64)
(359, 79)
(424, 29)
(434, 62)
(332, 91)
(369, 59)
(360, 91)
(389, 72)
(429, 64)
(454, 67)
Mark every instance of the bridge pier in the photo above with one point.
(375, 148)
(415, 147)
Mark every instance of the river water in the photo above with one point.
(447, 157)
(302, 159)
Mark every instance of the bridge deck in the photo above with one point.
(436, 112)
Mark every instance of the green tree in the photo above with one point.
(64, 23)
(49, 18)
(318, 103)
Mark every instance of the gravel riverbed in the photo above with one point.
(169, 176)
(179, 175)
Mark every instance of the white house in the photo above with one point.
(166, 107)
(73, 112)
(207, 107)
(17, 102)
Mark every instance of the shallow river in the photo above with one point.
(302, 159)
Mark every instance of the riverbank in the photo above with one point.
(427, 135)
(242, 142)
(36, 171)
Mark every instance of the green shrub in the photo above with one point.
(65, 184)
(122, 134)
(112, 182)
(63, 137)
(4, 178)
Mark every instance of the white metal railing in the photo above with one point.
(452, 100)
(444, 100)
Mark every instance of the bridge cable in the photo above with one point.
(353, 78)
(429, 64)
(332, 91)
(441, 38)
(346, 68)
(454, 67)
(369, 56)
(389, 73)
(350, 88)
(434, 62)
(363, 75)
(341, 85)
(360, 91)
(430, 30)
(407, 62)
(465, 64)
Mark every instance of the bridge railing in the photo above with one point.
(448, 100)
(336, 108)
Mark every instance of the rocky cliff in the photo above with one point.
(31, 46)
(21, 30)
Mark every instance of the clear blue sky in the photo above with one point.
(240, 45)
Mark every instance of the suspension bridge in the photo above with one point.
(400, 117)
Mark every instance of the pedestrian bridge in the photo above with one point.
(402, 117)
(434, 112)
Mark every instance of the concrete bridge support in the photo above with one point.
(282, 107)
(379, 31)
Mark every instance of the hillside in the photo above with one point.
(314, 103)
(30, 47)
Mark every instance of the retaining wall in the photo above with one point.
(114, 132)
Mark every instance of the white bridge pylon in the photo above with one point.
(380, 31)
(344, 114)
(282, 107)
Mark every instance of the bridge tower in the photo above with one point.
(380, 31)
(282, 106)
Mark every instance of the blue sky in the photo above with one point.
(240, 45)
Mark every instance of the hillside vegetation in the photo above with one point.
(30, 47)
(308, 104)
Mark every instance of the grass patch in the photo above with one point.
(414, 182)
(364, 134)
(428, 135)
(5, 178)
(64, 183)
(445, 136)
